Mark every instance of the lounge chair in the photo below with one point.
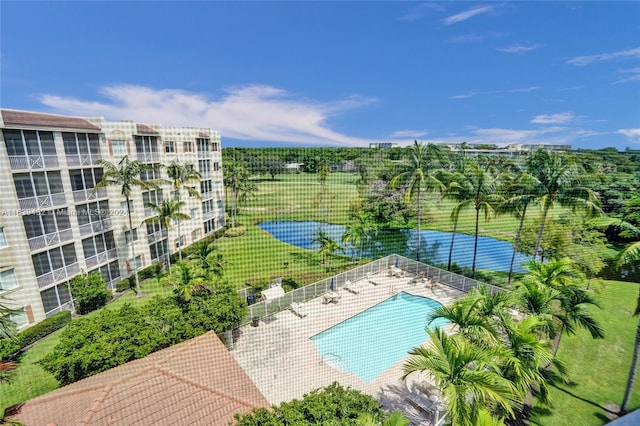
(422, 402)
(348, 285)
(297, 309)
(418, 278)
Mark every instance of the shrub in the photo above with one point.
(235, 232)
(44, 328)
(333, 405)
(150, 271)
(123, 285)
(289, 284)
(89, 292)
(31, 335)
(112, 337)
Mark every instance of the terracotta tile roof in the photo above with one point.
(144, 129)
(193, 383)
(36, 119)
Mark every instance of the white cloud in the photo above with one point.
(468, 14)
(253, 112)
(400, 134)
(633, 74)
(475, 37)
(419, 11)
(603, 57)
(633, 134)
(560, 118)
(519, 48)
(496, 92)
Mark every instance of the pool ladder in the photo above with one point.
(332, 360)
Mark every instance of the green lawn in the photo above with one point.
(597, 368)
(30, 379)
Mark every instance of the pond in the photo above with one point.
(493, 254)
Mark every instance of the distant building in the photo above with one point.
(383, 145)
(54, 224)
(511, 150)
(294, 167)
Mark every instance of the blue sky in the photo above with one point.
(335, 73)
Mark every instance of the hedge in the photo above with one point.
(31, 335)
(112, 337)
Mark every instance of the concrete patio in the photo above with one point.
(282, 361)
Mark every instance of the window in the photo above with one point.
(195, 213)
(3, 239)
(19, 318)
(54, 259)
(216, 166)
(169, 147)
(124, 209)
(36, 225)
(119, 147)
(135, 263)
(175, 195)
(55, 297)
(209, 226)
(196, 234)
(179, 242)
(187, 146)
(131, 235)
(215, 147)
(158, 250)
(8, 280)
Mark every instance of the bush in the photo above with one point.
(31, 335)
(289, 284)
(150, 271)
(90, 292)
(333, 405)
(123, 285)
(112, 337)
(235, 232)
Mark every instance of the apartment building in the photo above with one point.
(54, 224)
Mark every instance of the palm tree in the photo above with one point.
(455, 190)
(126, 176)
(186, 280)
(235, 175)
(181, 175)
(464, 314)
(416, 174)
(359, 232)
(469, 376)
(519, 194)
(166, 212)
(479, 190)
(395, 419)
(327, 245)
(207, 258)
(558, 180)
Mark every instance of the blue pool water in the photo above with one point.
(372, 341)
(494, 255)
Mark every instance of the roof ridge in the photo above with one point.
(97, 403)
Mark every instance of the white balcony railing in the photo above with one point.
(82, 160)
(58, 275)
(49, 240)
(29, 162)
(156, 236)
(94, 227)
(100, 258)
(82, 195)
(148, 157)
(43, 202)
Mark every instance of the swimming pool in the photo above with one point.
(372, 341)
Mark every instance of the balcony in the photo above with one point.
(148, 157)
(207, 195)
(156, 236)
(43, 202)
(31, 162)
(49, 240)
(58, 275)
(95, 227)
(83, 160)
(100, 258)
(90, 194)
(208, 215)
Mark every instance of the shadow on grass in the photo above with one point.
(588, 401)
(308, 259)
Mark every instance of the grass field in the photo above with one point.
(598, 369)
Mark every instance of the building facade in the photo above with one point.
(54, 225)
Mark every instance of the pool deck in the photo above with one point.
(282, 361)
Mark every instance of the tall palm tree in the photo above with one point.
(167, 212)
(463, 313)
(416, 174)
(361, 230)
(126, 175)
(455, 190)
(469, 376)
(235, 175)
(327, 245)
(519, 194)
(558, 180)
(480, 191)
(207, 258)
(180, 175)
